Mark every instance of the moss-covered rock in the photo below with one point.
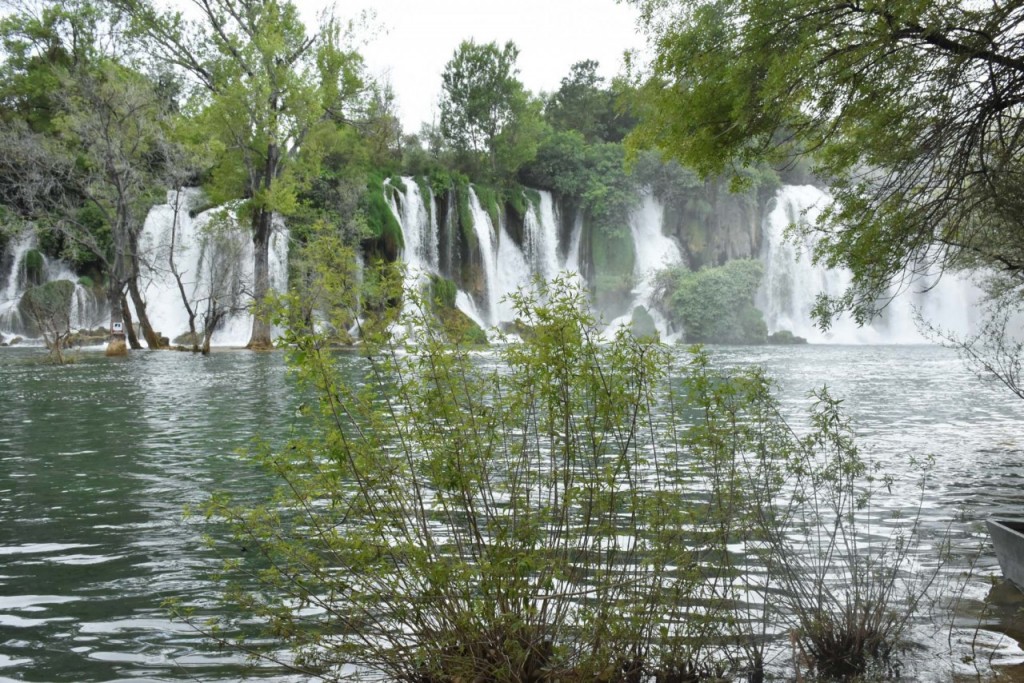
(386, 238)
(784, 337)
(35, 268)
(458, 328)
(46, 309)
(188, 339)
(642, 324)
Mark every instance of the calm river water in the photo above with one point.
(99, 458)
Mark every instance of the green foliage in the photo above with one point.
(489, 119)
(381, 221)
(715, 304)
(328, 285)
(596, 174)
(582, 105)
(560, 164)
(34, 267)
(923, 96)
(488, 198)
(541, 519)
(442, 292)
(37, 47)
(478, 84)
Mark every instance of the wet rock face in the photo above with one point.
(714, 226)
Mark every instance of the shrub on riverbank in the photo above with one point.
(577, 510)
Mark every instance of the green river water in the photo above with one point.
(99, 458)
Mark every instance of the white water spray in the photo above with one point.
(792, 282)
(213, 254)
(654, 251)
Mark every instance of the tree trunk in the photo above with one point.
(262, 226)
(114, 301)
(152, 338)
(129, 326)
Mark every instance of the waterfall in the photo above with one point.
(419, 232)
(213, 254)
(654, 251)
(572, 255)
(85, 310)
(506, 266)
(486, 243)
(540, 237)
(13, 284)
(792, 282)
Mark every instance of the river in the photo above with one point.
(99, 458)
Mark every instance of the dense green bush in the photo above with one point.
(714, 305)
(569, 513)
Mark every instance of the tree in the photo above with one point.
(583, 104)
(912, 112)
(482, 103)
(261, 85)
(113, 118)
(86, 142)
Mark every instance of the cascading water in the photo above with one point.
(85, 310)
(213, 255)
(540, 240)
(792, 282)
(506, 266)
(654, 251)
(415, 214)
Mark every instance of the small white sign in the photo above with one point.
(117, 328)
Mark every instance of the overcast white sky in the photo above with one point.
(417, 37)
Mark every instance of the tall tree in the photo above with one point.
(913, 112)
(262, 83)
(484, 108)
(584, 104)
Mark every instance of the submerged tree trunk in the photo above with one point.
(262, 227)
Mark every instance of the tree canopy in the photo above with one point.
(485, 110)
(910, 111)
(263, 84)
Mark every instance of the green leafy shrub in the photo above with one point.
(714, 304)
(569, 513)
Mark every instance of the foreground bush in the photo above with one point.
(569, 510)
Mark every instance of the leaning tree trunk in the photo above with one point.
(262, 226)
(152, 338)
(129, 325)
